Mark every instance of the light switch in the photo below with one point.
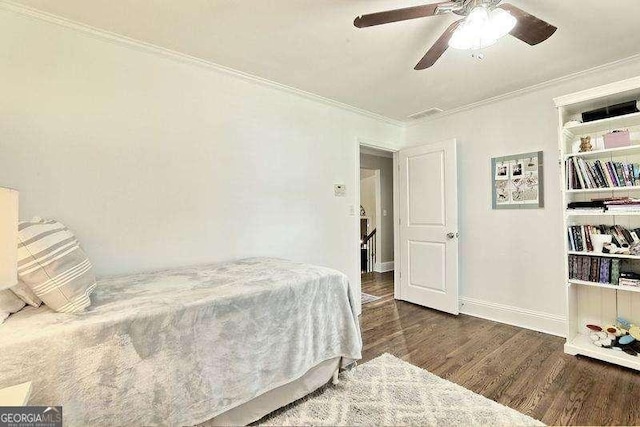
(340, 190)
(352, 210)
(384, 212)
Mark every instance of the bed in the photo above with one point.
(221, 344)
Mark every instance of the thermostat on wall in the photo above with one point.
(340, 190)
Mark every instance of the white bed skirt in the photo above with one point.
(275, 399)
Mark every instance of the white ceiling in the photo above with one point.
(312, 45)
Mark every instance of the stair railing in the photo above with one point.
(368, 252)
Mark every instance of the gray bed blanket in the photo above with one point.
(180, 346)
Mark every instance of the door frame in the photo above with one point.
(396, 206)
(389, 148)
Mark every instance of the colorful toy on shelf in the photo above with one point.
(626, 339)
(613, 331)
(585, 144)
(624, 323)
(623, 336)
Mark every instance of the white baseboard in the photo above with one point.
(383, 267)
(524, 318)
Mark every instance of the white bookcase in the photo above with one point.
(589, 302)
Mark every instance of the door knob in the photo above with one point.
(451, 235)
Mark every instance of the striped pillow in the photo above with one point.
(52, 264)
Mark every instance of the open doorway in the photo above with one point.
(376, 224)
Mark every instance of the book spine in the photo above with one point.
(586, 265)
(585, 174)
(627, 235)
(587, 238)
(612, 174)
(619, 174)
(572, 243)
(615, 271)
(578, 238)
(604, 270)
(619, 233)
(592, 175)
(599, 177)
(605, 175)
(593, 269)
(625, 173)
(576, 167)
(570, 266)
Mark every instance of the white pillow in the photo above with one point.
(9, 304)
(54, 266)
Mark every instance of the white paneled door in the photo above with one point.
(428, 202)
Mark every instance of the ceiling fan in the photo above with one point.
(483, 23)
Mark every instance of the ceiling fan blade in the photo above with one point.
(529, 29)
(397, 15)
(438, 48)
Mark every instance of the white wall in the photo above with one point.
(156, 162)
(511, 266)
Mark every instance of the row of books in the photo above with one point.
(611, 204)
(594, 269)
(580, 236)
(623, 205)
(583, 174)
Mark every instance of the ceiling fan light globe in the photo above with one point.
(462, 39)
(478, 17)
(482, 29)
(471, 37)
(501, 22)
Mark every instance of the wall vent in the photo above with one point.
(426, 113)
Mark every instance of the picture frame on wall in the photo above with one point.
(517, 181)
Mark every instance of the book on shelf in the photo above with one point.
(629, 282)
(611, 204)
(579, 237)
(629, 278)
(586, 207)
(592, 269)
(626, 204)
(583, 174)
(615, 272)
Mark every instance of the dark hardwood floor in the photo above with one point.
(516, 367)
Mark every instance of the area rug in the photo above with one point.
(367, 298)
(388, 391)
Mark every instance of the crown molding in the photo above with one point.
(528, 89)
(615, 88)
(129, 42)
